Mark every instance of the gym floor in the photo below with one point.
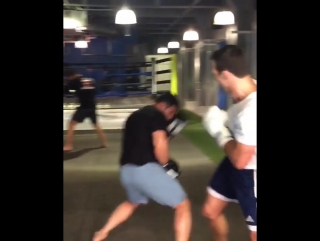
(92, 190)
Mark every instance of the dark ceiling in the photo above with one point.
(165, 19)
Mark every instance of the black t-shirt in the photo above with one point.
(137, 144)
(85, 92)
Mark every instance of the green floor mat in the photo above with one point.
(198, 136)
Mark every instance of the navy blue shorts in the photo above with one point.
(234, 185)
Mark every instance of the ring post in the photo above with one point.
(153, 77)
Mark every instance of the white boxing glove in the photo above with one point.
(214, 122)
(224, 117)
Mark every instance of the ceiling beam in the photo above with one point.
(162, 33)
(184, 13)
(109, 7)
(108, 20)
(164, 22)
(159, 13)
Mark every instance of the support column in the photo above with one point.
(245, 20)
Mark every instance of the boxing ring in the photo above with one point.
(122, 88)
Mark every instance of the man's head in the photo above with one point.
(167, 104)
(228, 66)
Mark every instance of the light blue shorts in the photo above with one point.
(150, 181)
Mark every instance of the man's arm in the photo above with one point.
(161, 147)
(238, 153)
(241, 150)
(160, 138)
(72, 83)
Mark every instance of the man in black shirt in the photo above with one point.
(85, 91)
(145, 151)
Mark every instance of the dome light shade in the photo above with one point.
(162, 50)
(190, 35)
(223, 18)
(70, 23)
(126, 16)
(173, 45)
(81, 44)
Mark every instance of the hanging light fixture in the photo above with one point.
(126, 16)
(190, 35)
(173, 45)
(162, 50)
(81, 44)
(223, 18)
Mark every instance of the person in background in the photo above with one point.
(85, 92)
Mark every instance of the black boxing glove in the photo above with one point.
(172, 169)
(176, 125)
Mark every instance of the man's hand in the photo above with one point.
(172, 169)
(214, 122)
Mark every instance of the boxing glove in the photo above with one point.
(224, 117)
(214, 122)
(175, 127)
(172, 169)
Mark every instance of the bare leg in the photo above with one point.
(253, 236)
(183, 221)
(212, 209)
(101, 135)
(69, 144)
(120, 214)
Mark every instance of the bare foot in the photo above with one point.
(104, 145)
(100, 235)
(67, 148)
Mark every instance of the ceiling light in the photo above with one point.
(223, 18)
(173, 45)
(190, 35)
(70, 23)
(162, 50)
(81, 44)
(126, 16)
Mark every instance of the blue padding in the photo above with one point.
(133, 74)
(123, 94)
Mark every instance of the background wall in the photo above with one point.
(101, 50)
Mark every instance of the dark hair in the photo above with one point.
(67, 72)
(230, 58)
(167, 98)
